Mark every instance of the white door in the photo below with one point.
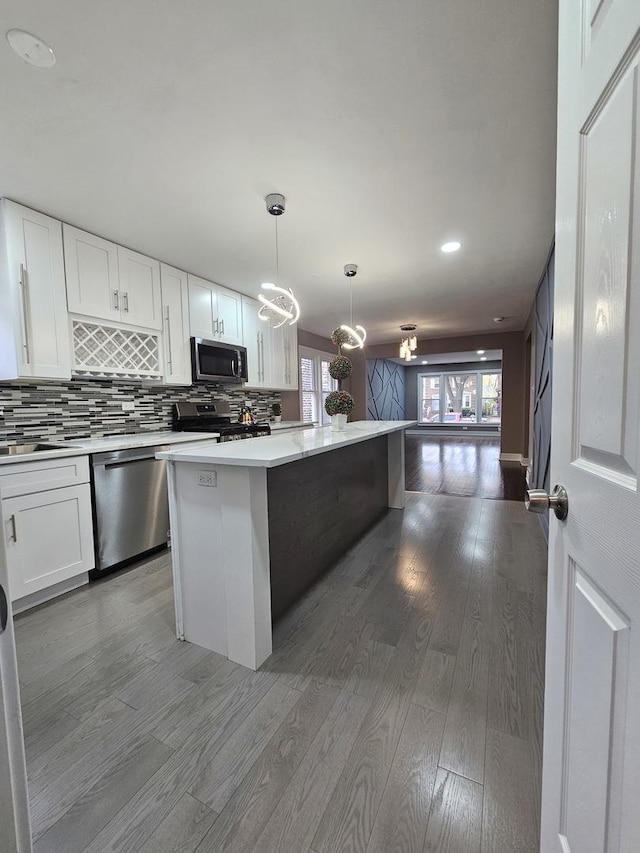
(91, 266)
(175, 310)
(34, 247)
(139, 285)
(15, 829)
(591, 768)
(202, 308)
(229, 315)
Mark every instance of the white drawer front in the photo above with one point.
(25, 478)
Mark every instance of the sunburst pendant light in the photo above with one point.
(357, 334)
(281, 307)
(409, 343)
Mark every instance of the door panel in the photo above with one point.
(139, 289)
(591, 763)
(91, 266)
(175, 306)
(201, 308)
(229, 313)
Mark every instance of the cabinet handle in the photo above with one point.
(260, 365)
(125, 297)
(25, 321)
(116, 300)
(216, 324)
(14, 531)
(222, 324)
(169, 363)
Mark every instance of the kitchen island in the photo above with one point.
(254, 523)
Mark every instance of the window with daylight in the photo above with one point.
(467, 397)
(315, 384)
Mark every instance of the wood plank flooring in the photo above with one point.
(401, 711)
(469, 467)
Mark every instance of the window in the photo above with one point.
(315, 384)
(463, 397)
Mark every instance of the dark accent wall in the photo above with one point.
(385, 390)
(318, 508)
(542, 365)
(93, 408)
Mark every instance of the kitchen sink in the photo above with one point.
(19, 449)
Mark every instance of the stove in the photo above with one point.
(214, 417)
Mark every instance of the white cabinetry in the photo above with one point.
(175, 310)
(109, 282)
(257, 340)
(272, 354)
(34, 332)
(284, 357)
(46, 513)
(215, 312)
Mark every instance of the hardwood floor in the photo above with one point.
(401, 709)
(467, 467)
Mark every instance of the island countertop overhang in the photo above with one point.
(274, 450)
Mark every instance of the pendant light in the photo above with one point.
(357, 334)
(409, 342)
(281, 307)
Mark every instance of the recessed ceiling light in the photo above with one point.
(425, 362)
(31, 48)
(452, 246)
(413, 356)
(484, 358)
(480, 352)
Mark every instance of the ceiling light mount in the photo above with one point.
(275, 204)
(350, 270)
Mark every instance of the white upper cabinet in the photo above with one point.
(175, 310)
(91, 265)
(215, 312)
(272, 354)
(34, 332)
(109, 282)
(140, 301)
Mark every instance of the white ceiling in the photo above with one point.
(389, 125)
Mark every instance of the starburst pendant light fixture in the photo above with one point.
(409, 341)
(281, 306)
(357, 334)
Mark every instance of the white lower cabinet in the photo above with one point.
(48, 533)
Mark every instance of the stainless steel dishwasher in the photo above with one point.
(131, 509)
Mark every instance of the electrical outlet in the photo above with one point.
(208, 478)
(128, 407)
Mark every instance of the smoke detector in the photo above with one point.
(498, 319)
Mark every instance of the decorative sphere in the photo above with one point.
(340, 367)
(338, 403)
(339, 337)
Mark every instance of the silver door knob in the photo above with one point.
(537, 500)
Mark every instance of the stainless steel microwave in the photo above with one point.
(212, 361)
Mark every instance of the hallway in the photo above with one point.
(401, 709)
(462, 466)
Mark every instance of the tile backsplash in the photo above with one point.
(84, 408)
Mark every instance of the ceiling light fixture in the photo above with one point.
(282, 307)
(451, 246)
(32, 49)
(480, 352)
(484, 358)
(409, 343)
(357, 334)
(425, 362)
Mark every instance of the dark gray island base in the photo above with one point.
(318, 508)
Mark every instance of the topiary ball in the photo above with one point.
(340, 367)
(339, 337)
(338, 403)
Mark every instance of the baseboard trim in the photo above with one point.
(43, 595)
(512, 457)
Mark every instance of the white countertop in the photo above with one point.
(83, 446)
(271, 451)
